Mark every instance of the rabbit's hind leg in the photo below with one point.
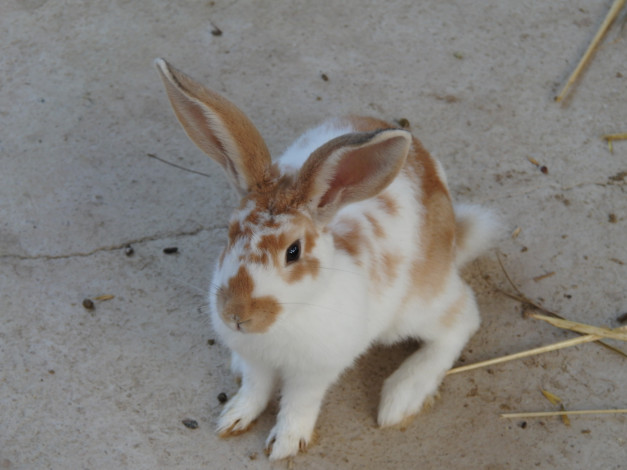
(416, 381)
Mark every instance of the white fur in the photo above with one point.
(483, 224)
(328, 322)
(333, 314)
(296, 154)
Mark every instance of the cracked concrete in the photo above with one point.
(118, 246)
(81, 108)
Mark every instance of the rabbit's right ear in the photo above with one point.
(218, 128)
(351, 168)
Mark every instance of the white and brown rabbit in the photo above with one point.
(349, 239)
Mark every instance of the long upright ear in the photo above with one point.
(219, 128)
(351, 168)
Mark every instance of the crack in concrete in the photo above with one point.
(119, 246)
(613, 181)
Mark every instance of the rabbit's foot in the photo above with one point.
(400, 413)
(283, 442)
(238, 416)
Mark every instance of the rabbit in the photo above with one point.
(348, 239)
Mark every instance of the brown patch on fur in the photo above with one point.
(259, 258)
(454, 311)
(252, 218)
(388, 204)
(271, 247)
(390, 265)
(278, 196)
(241, 285)
(305, 266)
(236, 231)
(274, 245)
(377, 228)
(351, 240)
(310, 237)
(438, 230)
(250, 314)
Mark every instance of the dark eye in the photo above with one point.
(293, 252)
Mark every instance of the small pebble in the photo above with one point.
(544, 170)
(216, 31)
(404, 123)
(190, 423)
(622, 318)
(171, 250)
(211, 342)
(128, 250)
(222, 398)
(612, 218)
(324, 77)
(88, 304)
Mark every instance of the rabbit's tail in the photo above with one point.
(476, 229)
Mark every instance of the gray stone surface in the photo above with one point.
(81, 106)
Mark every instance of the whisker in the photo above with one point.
(182, 282)
(322, 307)
(309, 305)
(355, 273)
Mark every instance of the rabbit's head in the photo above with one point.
(279, 242)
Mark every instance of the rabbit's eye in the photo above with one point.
(293, 252)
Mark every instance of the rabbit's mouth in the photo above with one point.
(233, 322)
(239, 323)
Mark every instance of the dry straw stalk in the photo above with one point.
(609, 18)
(542, 414)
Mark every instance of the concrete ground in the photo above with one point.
(82, 107)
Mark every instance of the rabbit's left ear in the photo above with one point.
(351, 168)
(219, 128)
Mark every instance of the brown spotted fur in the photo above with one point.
(437, 235)
(286, 195)
(241, 309)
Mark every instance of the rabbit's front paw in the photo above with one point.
(283, 442)
(238, 415)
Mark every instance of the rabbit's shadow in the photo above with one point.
(365, 379)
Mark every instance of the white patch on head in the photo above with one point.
(296, 154)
